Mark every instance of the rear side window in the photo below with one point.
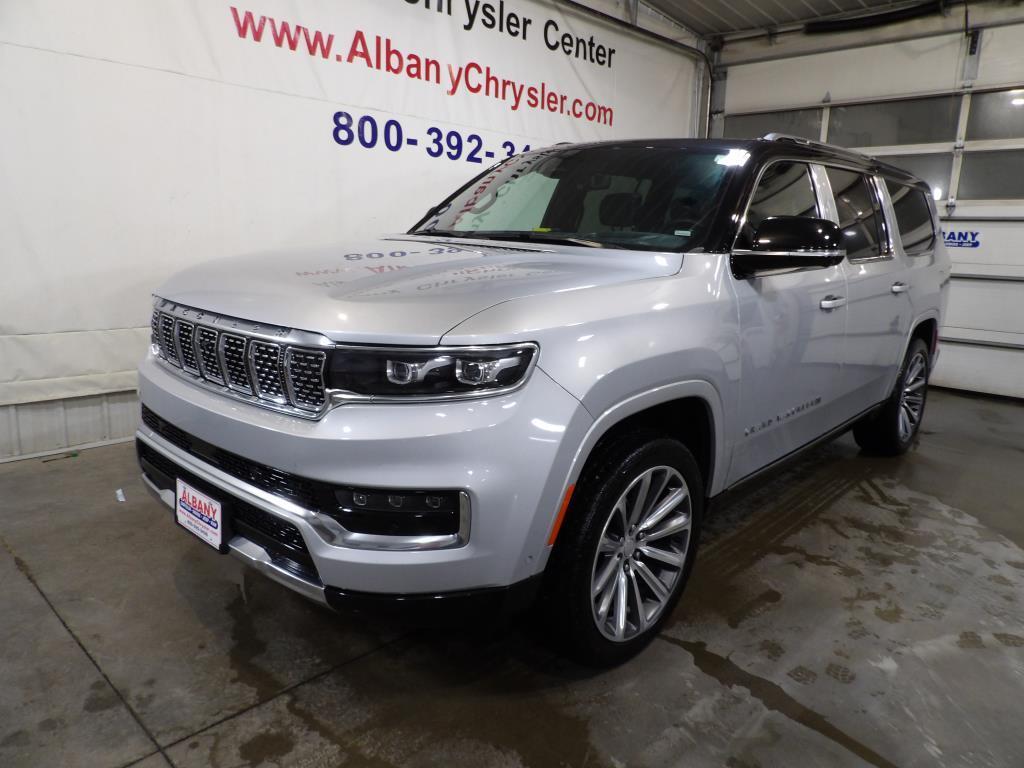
(785, 189)
(913, 217)
(860, 215)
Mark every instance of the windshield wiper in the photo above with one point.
(539, 237)
(522, 237)
(439, 233)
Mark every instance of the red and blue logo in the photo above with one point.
(204, 511)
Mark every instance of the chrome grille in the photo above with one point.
(267, 371)
(206, 347)
(185, 332)
(236, 371)
(167, 346)
(244, 358)
(306, 378)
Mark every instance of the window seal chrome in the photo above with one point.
(757, 182)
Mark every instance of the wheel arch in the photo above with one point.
(927, 329)
(690, 411)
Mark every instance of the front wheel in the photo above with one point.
(892, 430)
(626, 549)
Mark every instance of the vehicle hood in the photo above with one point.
(399, 290)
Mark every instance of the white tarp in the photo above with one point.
(141, 137)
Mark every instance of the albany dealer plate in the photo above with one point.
(199, 514)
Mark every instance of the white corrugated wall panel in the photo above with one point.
(85, 420)
(123, 413)
(53, 426)
(8, 432)
(41, 427)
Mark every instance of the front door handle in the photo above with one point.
(832, 302)
(900, 288)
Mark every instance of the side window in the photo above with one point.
(785, 189)
(913, 217)
(860, 215)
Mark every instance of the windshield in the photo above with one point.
(638, 198)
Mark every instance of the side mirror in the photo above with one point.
(790, 242)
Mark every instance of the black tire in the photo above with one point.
(573, 568)
(882, 433)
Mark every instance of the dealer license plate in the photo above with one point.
(199, 514)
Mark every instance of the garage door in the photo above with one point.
(969, 146)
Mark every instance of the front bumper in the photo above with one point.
(510, 455)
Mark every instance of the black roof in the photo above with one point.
(776, 145)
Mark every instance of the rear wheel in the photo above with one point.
(626, 550)
(892, 430)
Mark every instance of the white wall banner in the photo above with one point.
(141, 138)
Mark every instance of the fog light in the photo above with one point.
(399, 513)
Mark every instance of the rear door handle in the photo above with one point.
(832, 302)
(900, 288)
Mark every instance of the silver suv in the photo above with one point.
(543, 383)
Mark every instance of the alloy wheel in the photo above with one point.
(912, 397)
(641, 553)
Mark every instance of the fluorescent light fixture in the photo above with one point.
(1018, 102)
(937, 193)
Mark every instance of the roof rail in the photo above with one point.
(773, 136)
(878, 163)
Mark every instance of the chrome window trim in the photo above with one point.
(757, 182)
(885, 244)
(326, 527)
(828, 254)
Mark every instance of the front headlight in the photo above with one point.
(435, 373)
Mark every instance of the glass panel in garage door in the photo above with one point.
(910, 121)
(995, 175)
(996, 115)
(935, 169)
(805, 123)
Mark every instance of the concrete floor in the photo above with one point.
(851, 611)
